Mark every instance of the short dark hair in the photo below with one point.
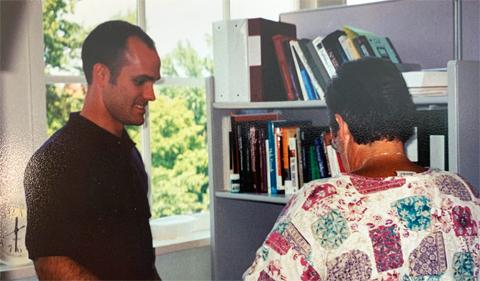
(106, 44)
(372, 97)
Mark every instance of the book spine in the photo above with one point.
(313, 163)
(268, 166)
(292, 153)
(278, 161)
(300, 158)
(272, 158)
(322, 53)
(283, 66)
(308, 85)
(343, 42)
(306, 64)
(262, 161)
(395, 53)
(316, 63)
(253, 148)
(321, 160)
(299, 73)
(363, 45)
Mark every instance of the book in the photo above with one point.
(321, 158)
(307, 64)
(349, 47)
(245, 62)
(361, 43)
(298, 71)
(334, 49)
(285, 68)
(316, 63)
(381, 46)
(326, 62)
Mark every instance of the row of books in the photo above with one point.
(307, 66)
(276, 156)
(261, 60)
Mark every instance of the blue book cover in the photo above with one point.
(321, 158)
(308, 84)
(271, 157)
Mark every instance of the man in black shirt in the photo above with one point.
(86, 187)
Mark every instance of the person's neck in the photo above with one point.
(381, 159)
(95, 111)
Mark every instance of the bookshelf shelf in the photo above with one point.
(259, 197)
(269, 105)
(311, 104)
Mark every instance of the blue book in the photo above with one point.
(308, 84)
(321, 158)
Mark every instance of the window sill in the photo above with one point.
(162, 247)
(193, 240)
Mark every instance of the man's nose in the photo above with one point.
(149, 93)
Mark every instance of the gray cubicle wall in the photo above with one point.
(464, 119)
(421, 30)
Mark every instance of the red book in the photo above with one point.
(278, 42)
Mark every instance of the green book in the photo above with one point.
(381, 46)
(314, 170)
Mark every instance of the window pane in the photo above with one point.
(183, 29)
(62, 99)
(66, 23)
(179, 151)
(268, 9)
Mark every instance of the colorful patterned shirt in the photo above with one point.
(418, 227)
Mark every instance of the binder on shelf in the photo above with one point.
(245, 63)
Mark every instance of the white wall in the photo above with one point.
(22, 92)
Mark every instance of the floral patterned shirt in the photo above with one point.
(409, 228)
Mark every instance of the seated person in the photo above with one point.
(386, 218)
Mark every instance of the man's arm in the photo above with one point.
(61, 268)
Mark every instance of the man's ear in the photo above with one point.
(100, 74)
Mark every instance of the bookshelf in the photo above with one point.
(240, 222)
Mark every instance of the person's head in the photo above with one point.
(106, 44)
(121, 65)
(370, 95)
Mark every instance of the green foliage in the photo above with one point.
(62, 38)
(177, 117)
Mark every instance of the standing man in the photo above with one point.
(86, 187)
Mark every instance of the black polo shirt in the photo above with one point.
(86, 192)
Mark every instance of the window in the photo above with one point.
(173, 142)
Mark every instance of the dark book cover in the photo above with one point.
(361, 42)
(334, 49)
(321, 157)
(307, 138)
(315, 63)
(261, 76)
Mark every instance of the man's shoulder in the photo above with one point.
(62, 149)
